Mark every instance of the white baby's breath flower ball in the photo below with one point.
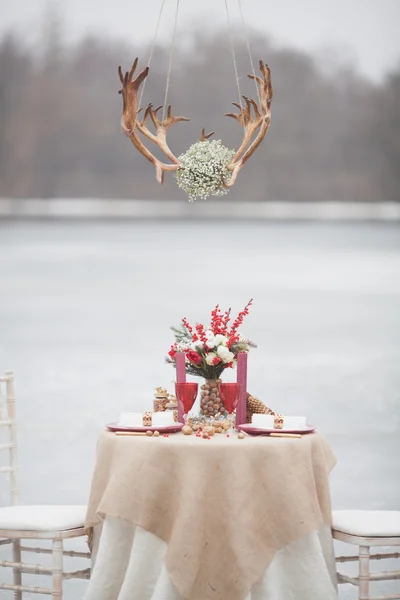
(203, 170)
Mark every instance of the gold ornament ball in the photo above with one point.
(187, 430)
(149, 433)
(241, 436)
(156, 434)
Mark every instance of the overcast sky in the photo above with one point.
(365, 32)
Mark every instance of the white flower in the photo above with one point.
(196, 345)
(210, 357)
(211, 342)
(221, 339)
(225, 355)
(204, 170)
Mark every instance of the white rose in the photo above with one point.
(211, 343)
(210, 357)
(225, 355)
(222, 351)
(221, 339)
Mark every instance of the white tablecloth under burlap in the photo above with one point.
(224, 519)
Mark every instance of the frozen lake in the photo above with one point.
(85, 310)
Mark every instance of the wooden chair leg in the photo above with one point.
(363, 573)
(17, 576)
(57, 567)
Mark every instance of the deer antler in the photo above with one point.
(161, 129)
(261, 120)
(130, 123)
(204, 136)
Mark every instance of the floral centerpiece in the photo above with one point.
(209, 351)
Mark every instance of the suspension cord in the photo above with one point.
(232, 44)
(233, 52)
(153, 44)
(171, 52)
(246, 37)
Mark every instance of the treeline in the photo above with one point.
(334, 135)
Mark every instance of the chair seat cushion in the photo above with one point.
(367, 523)
(42, 518)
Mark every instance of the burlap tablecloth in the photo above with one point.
(224, 506)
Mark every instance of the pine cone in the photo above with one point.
(254, 405)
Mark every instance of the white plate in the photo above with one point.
(253, 430)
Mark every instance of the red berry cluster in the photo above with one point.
(219, 321)
(198, 334)
(233, 335)
(186, 324)
(201, 333)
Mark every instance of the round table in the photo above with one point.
(222, 518)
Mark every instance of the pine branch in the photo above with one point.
(182, 335)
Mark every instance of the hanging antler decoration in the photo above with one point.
(260, 121)
(252, 124)
(130, 122)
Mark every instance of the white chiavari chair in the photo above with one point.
(366, 529)
(18, 522)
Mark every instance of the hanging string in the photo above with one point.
(170, 59)
(233, 52)
(246, 37)
(153, 44)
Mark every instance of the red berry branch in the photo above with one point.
(201, 333)
(186, 324)
(233, 335)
